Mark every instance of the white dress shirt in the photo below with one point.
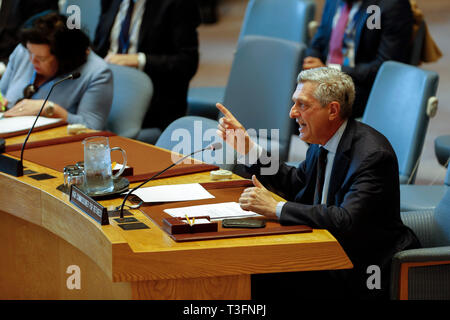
(331, 146)
(350, 30)
(135, 26)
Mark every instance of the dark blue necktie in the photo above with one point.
(124, 37)
(321, 166)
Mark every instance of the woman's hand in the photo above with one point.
(31, 107)
(25, 107)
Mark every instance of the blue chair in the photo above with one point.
(133, 91)
(190, 133)
(422, 197)
(399, 106)
(90, 14)
(424, 274)
(260, 87)
(282, 19)
(442, 149)
(259, 92)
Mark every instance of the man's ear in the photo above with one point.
(334, 109)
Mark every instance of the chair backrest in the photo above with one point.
(442, 215)
(133, 91)
(432, 227)
(397, 107)
(447, 177)
(90, 14)
(260, 86)
(191, 133)
(284, 19)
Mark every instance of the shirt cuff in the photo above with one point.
(142, 61)
(279, 208)
(335, 66)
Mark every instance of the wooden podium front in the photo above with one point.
(44, 238)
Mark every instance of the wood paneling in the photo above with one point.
(217, 288)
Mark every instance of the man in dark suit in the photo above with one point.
(348, 184)
(358, 36)
(162, 41)
(13, 14)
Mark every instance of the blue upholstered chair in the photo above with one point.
(422, 197)
(190, 133)
(90, 14)
(424, 274)
(282, 19)
(133, 91)
(442, 149)
(260, 87)
(259, 93)
(400, 104)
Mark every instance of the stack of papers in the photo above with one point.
(14, 124)
(174, 192)
(214, 211)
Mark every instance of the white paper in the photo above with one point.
(118, 166)
(174, 192)
(13, 124)
(214, 211)
(200, 221)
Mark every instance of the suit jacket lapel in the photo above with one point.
(146, 21)
(361, 23)
(341, 162)
(115, 9)
(4, 13)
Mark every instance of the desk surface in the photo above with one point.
(148, 261)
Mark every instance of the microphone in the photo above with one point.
(74, 75)
(13, 166)
(214, 146)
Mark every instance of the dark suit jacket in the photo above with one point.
(13, 14)
(168, 37)
(363, 203)
(372, 46)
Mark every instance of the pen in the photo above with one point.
(189, 221)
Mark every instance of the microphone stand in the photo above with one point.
(212, 147)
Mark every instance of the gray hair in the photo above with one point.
(332, 85)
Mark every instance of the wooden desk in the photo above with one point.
(42, 234)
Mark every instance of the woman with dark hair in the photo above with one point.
(48, 52)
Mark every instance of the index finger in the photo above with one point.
(224, 110)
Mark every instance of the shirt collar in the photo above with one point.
(333, 143)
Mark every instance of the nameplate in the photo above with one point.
(89, 206)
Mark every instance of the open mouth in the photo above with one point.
(301, 125)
